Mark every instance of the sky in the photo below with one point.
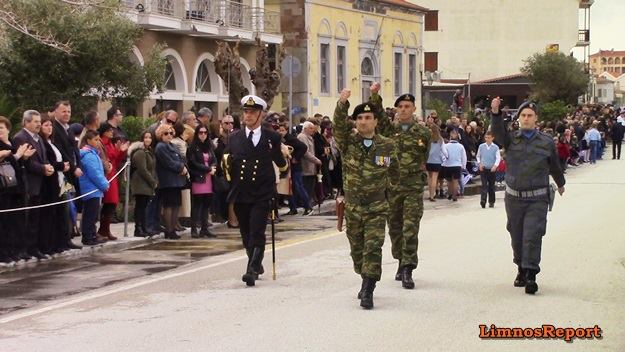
(607, 25)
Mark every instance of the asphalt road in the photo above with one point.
(464, 279)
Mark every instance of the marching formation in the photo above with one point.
(378, 161)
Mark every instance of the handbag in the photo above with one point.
(7, 176)
(220, 185)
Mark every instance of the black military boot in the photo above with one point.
(398, 273)
(249, 277)
(366, 301)
(259, 268)
(406, 277)
(362, 288)
(530, 281)
(519, 281)
(254, 266)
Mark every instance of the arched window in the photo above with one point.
(610, 61)
(203, 79)
(366, 67)
(604, 61)
(170, 78)
(617, 61)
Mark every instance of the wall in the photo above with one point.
(491, 38)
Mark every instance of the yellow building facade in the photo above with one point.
(350, 44)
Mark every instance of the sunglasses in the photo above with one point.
(168, 133)
(227, 122)
(171, 122)
(202, 132)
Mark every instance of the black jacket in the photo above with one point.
(617, 132)
(16, 166)
(50, 185)
(252, 176)
(35, 170)
(195, 160)
(66, 142)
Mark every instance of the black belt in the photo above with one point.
(527, 194)
(364, 200)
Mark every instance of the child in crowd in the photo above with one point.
(452, 166)
(94, 184)
(488, 157)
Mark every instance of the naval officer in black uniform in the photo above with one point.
(249, 158)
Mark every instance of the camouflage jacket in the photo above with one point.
(412, 147)
(529, 162)
(365, 174)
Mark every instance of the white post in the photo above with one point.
(126, 200)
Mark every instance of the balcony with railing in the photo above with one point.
(584, 4)
(583, 37)
(197, 14)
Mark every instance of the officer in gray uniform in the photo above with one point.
(530, 158)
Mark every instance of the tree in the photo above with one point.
(78, 50)
(556, 77)
(441, 108)
(266, 80)
(228, 67)
(554, 111)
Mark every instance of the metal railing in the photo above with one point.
(220, 12)
(583, 35)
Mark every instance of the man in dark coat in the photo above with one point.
(66, 140)
(37, 166)
(249, 158)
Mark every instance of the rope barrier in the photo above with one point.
(68, 200)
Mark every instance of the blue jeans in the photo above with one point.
(593, 151)
(299, 192)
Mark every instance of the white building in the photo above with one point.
(482, 40)
(610, 89)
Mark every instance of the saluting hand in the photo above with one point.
(345, 94)
(375, 87)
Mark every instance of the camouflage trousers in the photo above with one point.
(527, 224)
(406, 210)
(365, 227)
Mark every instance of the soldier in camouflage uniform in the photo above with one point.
(530, 158)
(412, 143)
(367, 162)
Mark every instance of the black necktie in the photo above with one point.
(249, 136)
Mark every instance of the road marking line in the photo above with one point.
(155, 278)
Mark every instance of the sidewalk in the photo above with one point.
(128, 242)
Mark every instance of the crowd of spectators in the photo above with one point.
(176, 169)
